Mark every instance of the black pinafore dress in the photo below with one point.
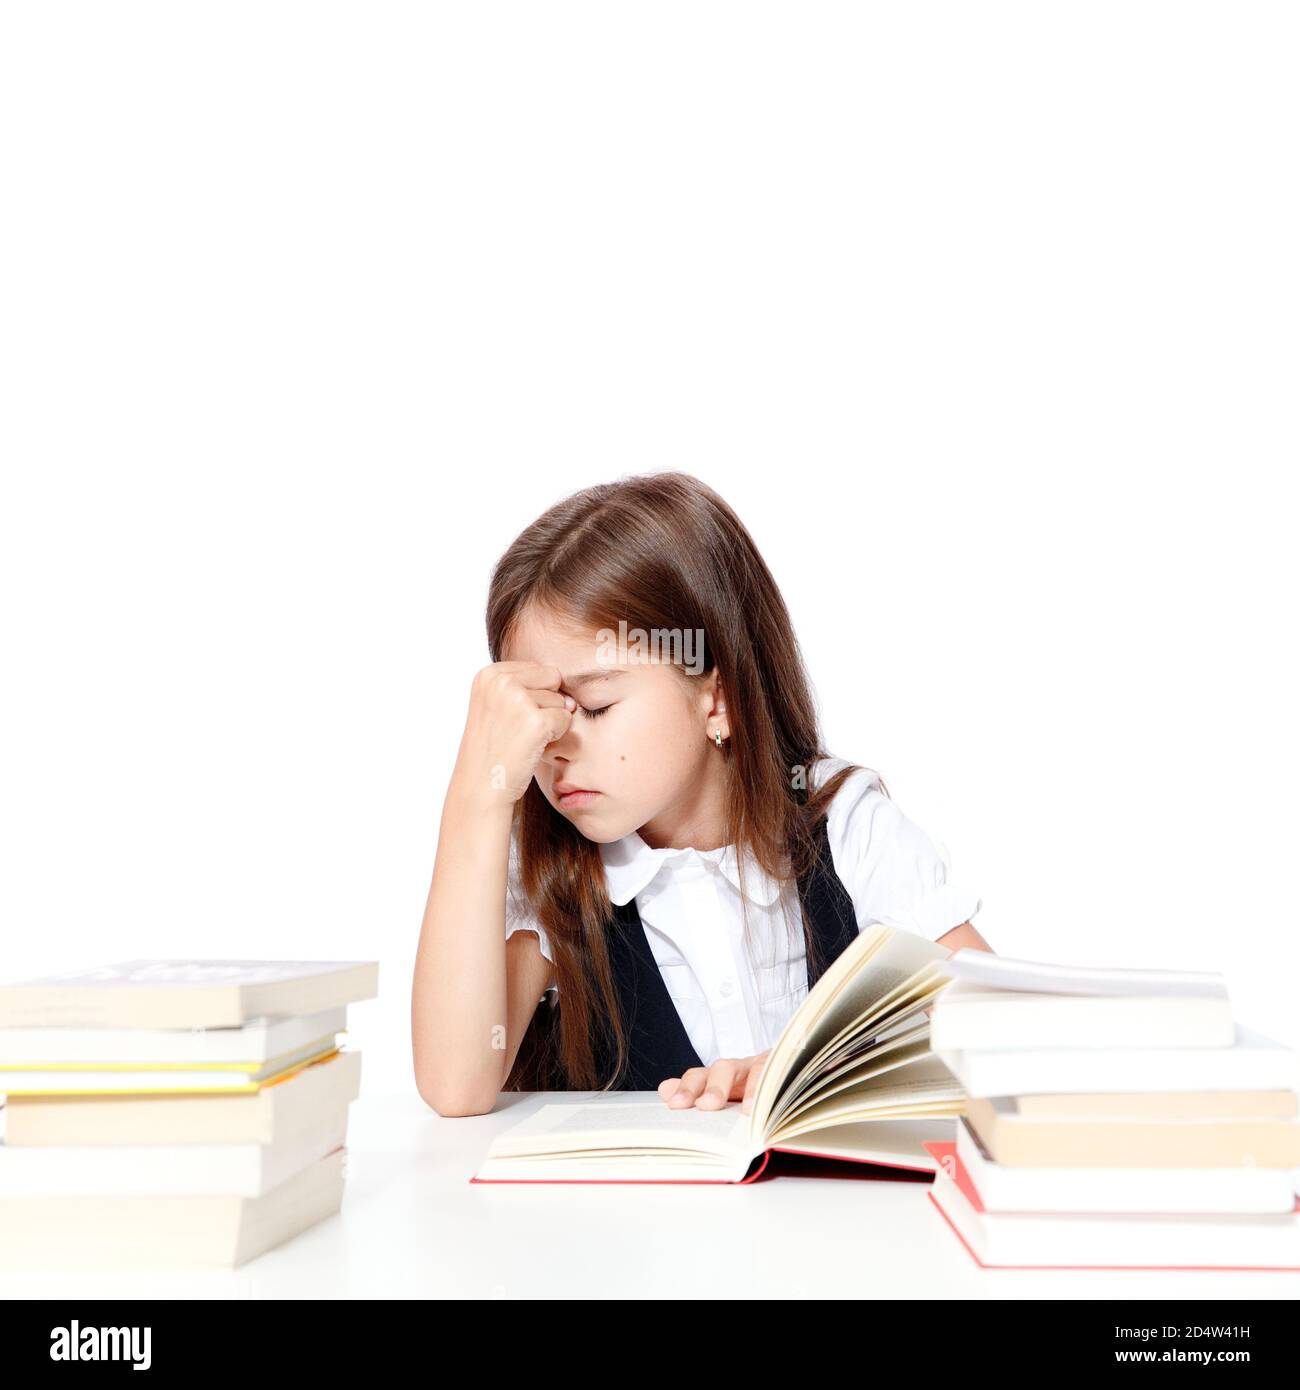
(658, 1046)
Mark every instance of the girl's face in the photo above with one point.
(641, 740)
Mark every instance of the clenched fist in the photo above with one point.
(515, 710)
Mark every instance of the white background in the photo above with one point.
(982, 317)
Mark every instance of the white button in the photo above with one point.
(725, 988)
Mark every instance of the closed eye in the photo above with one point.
(593, 713)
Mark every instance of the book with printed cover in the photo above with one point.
(185, 993)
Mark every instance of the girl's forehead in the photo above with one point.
(553, 641)
(579, 651)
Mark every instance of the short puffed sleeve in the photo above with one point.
(892, 868)
(519, 913)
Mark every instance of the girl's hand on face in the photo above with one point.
(710, 1088)
(515, 710)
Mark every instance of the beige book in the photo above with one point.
(1011, 1138)
(1162, 1105)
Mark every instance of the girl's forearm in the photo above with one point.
(458, 998)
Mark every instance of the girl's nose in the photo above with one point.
(558, 750)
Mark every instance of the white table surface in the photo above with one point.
(413, 1226)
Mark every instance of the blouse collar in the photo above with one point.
(631, 865)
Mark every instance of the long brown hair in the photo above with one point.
(656, 551)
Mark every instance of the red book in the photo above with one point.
(1105, 1240)
(893, 1156)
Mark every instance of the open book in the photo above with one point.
(851, 1077)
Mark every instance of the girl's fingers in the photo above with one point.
(751, 1082)
(710, 1088)
(688, 1087)
(535, 676)
(669, 1087)
(560, 719)
(725, 1081)
(551, 699)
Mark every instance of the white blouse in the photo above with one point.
(734, 997)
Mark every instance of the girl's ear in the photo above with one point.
(714, 700)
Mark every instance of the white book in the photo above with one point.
(1240, 1188)
(990, 971)
(185, 993)
(258, 1040)
(114, 1233)
(970, 1016)
(1251, 1062)
(1087, 1240)
(166, 1170)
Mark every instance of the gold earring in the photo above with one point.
(717, 737)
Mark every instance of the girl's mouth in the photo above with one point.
(580, 797)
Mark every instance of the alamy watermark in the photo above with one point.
(677, 646)
(77, 1343)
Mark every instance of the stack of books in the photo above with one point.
(1114, 1119)
(174, 1111)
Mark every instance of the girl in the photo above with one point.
(642, 824)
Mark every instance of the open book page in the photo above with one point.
(598, 1140)
(866, 1070)
(924, 1087)
(895, 1049)
(626, 1122)
(900, 1142)
(877, 968)
(983, 970)
(898, 1013)
(859, 1042)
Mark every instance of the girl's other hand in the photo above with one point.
(710, 1088)
(515, 710)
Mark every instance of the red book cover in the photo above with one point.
(824, 1166)
(945, 1154)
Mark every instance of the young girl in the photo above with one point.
(642, 824)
